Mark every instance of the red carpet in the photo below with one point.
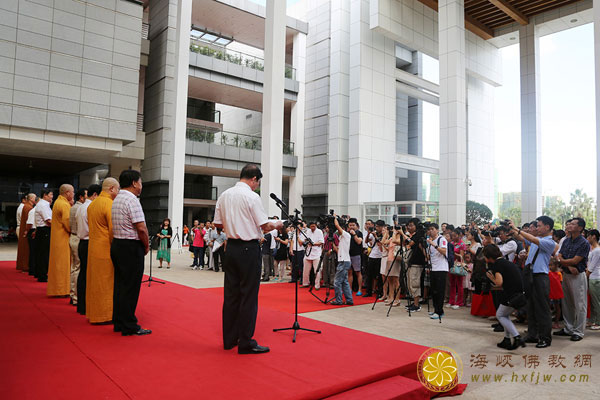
(47, 350)
(280, 296)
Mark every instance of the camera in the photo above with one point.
(329, 221)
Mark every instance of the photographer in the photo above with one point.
(507, 245)
(438, 247)
(375, 241)
(506, 275)
(355, 253)
(572, 257)
(340, 283)
(415, 244)
(330, 257)
(536, 280)
(314, 245)
(296, 251)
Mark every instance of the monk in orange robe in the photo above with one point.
(100, 270)
(59, 264)
(23, 249)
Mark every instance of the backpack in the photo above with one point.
(449, 253)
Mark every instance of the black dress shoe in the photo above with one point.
(499, 328)
(561, 333)
(258, 349)
(505, 343)
(349, 304)
(529, 339)
(576, 338)
(517, 342)
(336, 303)
(139, 332)
(542, 344)
(496, 324)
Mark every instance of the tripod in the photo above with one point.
(386, 277)
(296, 326)
(176, 237)
(327, 290)
(150, 278)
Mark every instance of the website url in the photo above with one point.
(534, 377)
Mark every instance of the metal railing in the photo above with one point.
(404, 210)
(225, 138)
(235, 57)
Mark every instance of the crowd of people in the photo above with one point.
(89, 245)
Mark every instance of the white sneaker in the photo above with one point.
(595, 327)
(434, 316)
(448, 305)
(455, 307)
(195, 268)
(430, 313)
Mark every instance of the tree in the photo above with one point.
(558, 211)
(478, 213)
(514, 214)
(581, 205)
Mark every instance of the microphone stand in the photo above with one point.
(296, 326)
(150, 278)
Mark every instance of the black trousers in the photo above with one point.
(242, 266)
(539, 318)
(42, 250)
(297, 265)
(374, 273)
(32, 253)
(438, 289)
(128, 259)
(82, 251)
(218, 257)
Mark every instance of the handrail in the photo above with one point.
(226, 138)
(235, 57)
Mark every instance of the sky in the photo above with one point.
(568, 115)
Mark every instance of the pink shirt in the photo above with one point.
(198, 237)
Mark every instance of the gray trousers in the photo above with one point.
(574, 304)
(267, 263)
(503, 315)
(539, 318)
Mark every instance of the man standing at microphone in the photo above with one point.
(239, 212)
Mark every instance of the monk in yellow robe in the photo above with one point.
(59, 264)
(23, 249)
(100, 270)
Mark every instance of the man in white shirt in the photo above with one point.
(80, 196)
(438, 247)
(297, 252)
(83, 233)
(31, 236)
(375, 241)
(239, 212)
(43, 219)
(340, 282)
(312, 254)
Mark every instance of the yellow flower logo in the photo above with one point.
(439, 370)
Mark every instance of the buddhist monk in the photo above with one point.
(23, 249)
(59, 264)
(100, 271)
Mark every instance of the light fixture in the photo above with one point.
(574, 20)
(512, 38)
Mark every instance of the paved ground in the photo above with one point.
(469, 336)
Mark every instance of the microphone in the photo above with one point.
(278, 200)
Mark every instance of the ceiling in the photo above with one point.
(24, 166)
(482, 17)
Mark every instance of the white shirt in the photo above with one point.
(316, 237)
(438, 260)
(344, 247)
(42, 213)
(376, 252)
(594, 263)
(19, 213)
(274, 233)
(31, 218)
(508, 249)
(83, 229)
(296, 246)
(241, 213)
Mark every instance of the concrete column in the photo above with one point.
(177, 161)
(272, 117)
(297, 122)
(453, 112)
(531, 125)
(597, 70)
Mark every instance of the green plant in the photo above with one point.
(478, 213)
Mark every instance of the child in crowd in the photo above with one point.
(556, 291)
(467, 284)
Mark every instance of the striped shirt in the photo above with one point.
(126, 212)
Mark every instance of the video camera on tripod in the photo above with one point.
(329, 221)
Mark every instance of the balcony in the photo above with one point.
(250, 142)
(235, 57)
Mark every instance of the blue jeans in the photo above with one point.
(340, 282)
